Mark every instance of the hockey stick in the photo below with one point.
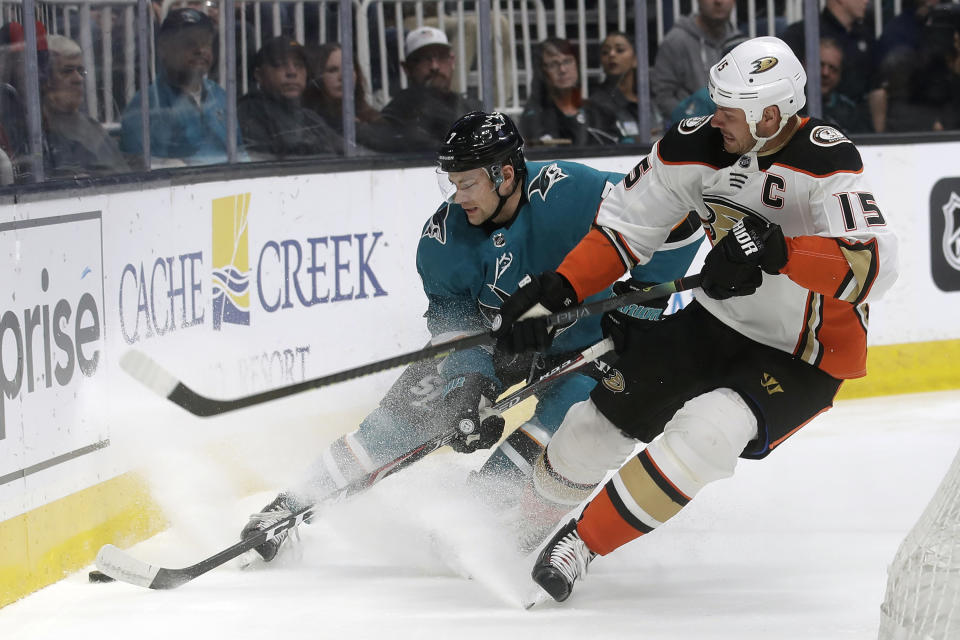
(147, 371)
(119, 565)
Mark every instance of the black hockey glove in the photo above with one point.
(463, 397)
(733, 266)
(622, 322)
(540, 296)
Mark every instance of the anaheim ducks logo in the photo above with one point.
(825, 136)
(722, 215)
(613, 380)
(689, 125)
(763, 64)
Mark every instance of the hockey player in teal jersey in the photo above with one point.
(502, 220)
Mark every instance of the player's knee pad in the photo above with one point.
(704, 440)
(586, 446)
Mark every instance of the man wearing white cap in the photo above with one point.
(422, 113)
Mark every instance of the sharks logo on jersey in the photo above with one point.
(548, 176)
(491, 308)
(437, 226)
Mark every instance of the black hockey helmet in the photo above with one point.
(482, 140)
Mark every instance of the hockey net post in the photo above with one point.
(922, 600)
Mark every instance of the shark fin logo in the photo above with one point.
(231, 261)
(437, 225)
(548, 176)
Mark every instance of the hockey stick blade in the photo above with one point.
(148, 372)
(121, 566)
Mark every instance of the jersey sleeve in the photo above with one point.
(633, 222)
(852, 256)
(450, 281)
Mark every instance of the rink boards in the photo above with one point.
(244, 285)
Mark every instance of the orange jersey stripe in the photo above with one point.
(592, 265)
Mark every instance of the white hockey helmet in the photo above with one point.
(757, 74)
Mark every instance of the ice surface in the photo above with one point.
(795, 546)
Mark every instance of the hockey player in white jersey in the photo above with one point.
(800, 246)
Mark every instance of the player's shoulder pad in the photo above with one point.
(820, 149)
(694, 141)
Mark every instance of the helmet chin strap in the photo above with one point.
(503, 199)
(760, 140)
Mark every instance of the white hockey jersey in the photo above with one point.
(840, 250)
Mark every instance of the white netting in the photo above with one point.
(923, 585)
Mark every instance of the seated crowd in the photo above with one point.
(907, 80)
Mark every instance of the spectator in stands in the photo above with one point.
(612, 108)
(274, 122)
(699, 103)
(838, 109)
(924, 87)
(421, 114)
(690, 48)
(76, 144)
(904, 29)
(554, 114)
(842, 21)
(187, 110)
(13, 98)
(324, 95)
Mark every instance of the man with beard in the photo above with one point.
(421, 114)
(187, 110)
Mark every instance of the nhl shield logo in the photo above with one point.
(945, 234)
(951, 230)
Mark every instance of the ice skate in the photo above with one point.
(564, 559)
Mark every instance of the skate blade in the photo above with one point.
(535, 597)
